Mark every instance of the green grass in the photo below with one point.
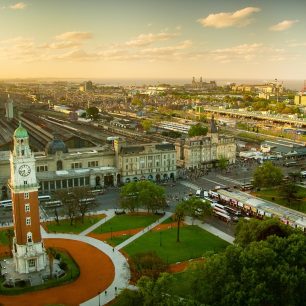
(168, 220)
(3, 238)
(77, 227)
(117, 240)
(273, 195)
(72, 272)
(126, 222)
(194, 243)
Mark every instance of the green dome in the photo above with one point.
(21, 132)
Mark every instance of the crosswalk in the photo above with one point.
(190, 185)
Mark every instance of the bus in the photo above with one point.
(87, 201)
(52, 204)
(222, 216)
(246, 187)
(44, 198)
(6, 203)
(233, 211)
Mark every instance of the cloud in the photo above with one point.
(283, 25)
(18, 6)
(239, 18)
(147, 39)
(248, 52)
(74, 36)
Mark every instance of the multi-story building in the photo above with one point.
(146, 161)
(205, 151)
(59, 167)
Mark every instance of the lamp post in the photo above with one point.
(111, 233)
(99, 293)
(160, 238)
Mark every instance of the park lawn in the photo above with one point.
(118, 239)
(126, 222)
(195, 242)
(273, 195)
(3, 237)
(77, 227)
(168, 220)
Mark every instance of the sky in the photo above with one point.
(135, 39)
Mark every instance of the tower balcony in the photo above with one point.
(23, 188)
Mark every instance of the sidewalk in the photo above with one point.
(122, 272)
(213, 230)
(109, 214)
(145, 230)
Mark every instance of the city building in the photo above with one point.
(28, 249)
(203, 152)
(96, 167)
(156, 162)
(9, 108)
(200, 85)
(300, 99)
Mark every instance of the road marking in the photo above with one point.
(190, 185)
(218, 183)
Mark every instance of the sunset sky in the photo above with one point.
(153, 39)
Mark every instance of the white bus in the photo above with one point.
(44, 198)
(52, 204)
(6, 203)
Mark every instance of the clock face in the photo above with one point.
(24, 170)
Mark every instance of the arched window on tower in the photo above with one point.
(29, 237)
(59, 165)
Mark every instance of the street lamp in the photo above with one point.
(160, 238)
(99, 293)
(111, 233)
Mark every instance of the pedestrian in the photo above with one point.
(113, 249)
(105, 292)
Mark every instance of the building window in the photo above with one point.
(42, 168)
(27, 207)
(59, 165)
(25, 182)
(29, 237)
(32, 263)
(94, 163)
(76, 165)
(28, 221)
(26, 195)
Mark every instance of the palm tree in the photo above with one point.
(179, 215)
(10, 235)
(51, 252)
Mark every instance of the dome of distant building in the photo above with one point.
(56, 145)
(21, 132)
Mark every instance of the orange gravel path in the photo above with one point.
(180, 267)
(106, 236)
(96, 274)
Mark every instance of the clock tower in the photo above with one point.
(28, 249)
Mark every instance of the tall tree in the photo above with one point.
(197, 130)
(179, 215)
(10, 235)
(197, 208)
(51, 253)
(92, 112)
(267, 175)
(144, 194)
(80, 195)
(289, 190)
(223, 163)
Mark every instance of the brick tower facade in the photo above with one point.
(28, 249)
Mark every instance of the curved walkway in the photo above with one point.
(121, 273)
(96, 269)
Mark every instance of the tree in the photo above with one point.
(267, 175)
(270, 272)
(289, 190)
(147, 264)
(179, 215)
(51, 252)
(10, 235)
(197, 130)
(70, 203)
(223, 163)
(142, 194)
(197, 208)
(92, 112)
(80, 194)
(146, 124)
(248, 231)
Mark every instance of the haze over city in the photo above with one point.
(152, 39)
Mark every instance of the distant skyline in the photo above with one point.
(169, 39)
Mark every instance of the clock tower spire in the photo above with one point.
(28, 249)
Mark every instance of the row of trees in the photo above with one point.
(72, 202)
